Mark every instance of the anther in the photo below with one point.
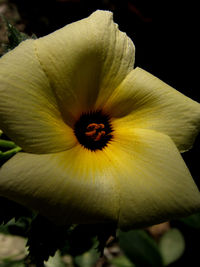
(94, 131)
(99, 135)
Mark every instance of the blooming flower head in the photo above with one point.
(101, 141)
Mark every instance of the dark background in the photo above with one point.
(165, 34)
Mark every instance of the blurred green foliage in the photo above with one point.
(140, 248)
(15, 37)
(172, 246)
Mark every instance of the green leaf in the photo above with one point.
(192, 220)
(121, 261)
(172, 246)
(140, 248)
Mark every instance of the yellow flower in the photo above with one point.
(101, 140)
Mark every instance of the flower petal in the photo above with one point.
(155, 184)
(144, 101)
(138, 179)
(28, 109)
(85, 61)
(75, 186)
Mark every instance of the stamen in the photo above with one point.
(94, 131)
(93, 126)
(99, 135)
(90, 133)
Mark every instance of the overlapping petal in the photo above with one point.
(75, 186)
(29, 113)
(85, 61)
(138, 179)
(155, 184)
(144, 101)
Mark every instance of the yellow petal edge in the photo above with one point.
(139, 179)
(144, 101)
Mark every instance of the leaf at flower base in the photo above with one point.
(172, 246)
(192, 220)
(140, 248)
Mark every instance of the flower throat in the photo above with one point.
(93, 130)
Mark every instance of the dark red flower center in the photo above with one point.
(93, 130)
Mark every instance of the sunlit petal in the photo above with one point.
(85, 61)
(144, 101)
(75, 186)
(138, 179)
(155, 184)
(29, 114)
